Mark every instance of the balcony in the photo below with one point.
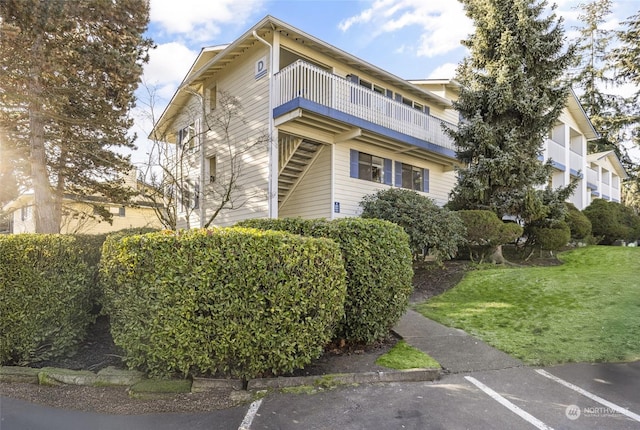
(557, 153)
(346, 101)
(592, 178)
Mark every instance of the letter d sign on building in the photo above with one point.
(261, 67)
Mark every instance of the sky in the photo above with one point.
(413, 39)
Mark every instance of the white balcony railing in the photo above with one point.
(556, 152)
(592, 176)
(576, 161)
(301, 79)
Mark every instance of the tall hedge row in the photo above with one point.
(378, 261)
(226, 301)
(45, 297)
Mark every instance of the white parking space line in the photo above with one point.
(250, 415)
(585, 393)
(506, 403)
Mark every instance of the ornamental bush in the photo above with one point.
(233, 301)
(552, 238)
(485, 231)
(45, 299)
(431, 229)
(612, 221)
(578, 222)
(379, 269)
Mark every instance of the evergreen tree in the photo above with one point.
(594, 75)
(69, 72)
(512, 93)
(627, 62)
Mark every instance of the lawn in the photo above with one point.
(585, 310)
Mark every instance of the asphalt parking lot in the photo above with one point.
(573, 396)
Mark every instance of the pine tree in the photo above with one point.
(627, 61)
(594, 75)
(70, 69)
(512, 93)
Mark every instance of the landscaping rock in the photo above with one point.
(19, 374)
(110, 376)
(53, 376)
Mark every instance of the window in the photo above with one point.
(121, 211)
(212, 169)
(370, 167)
(196, 196)
(186, 198)
(25, 213)
(186, 136)
(412, 177)
(212, 98)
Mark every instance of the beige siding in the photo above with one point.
(250, 195)
(133, 218)
(349, 191)
(312, 197)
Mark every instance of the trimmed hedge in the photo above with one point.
(552, 238)
(45, 298)
(233, 301)
(613, 221)
(378, 261)
(485, 231)
(432, 230)
(91, 245)
(578, 222)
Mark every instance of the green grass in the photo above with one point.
(586, 310)
(403, 356)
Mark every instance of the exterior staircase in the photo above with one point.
(295, 156)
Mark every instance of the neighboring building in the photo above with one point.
(343, 127)
(605, 174)
(78, 214)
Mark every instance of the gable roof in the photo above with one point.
(613, 159)
(215, 59)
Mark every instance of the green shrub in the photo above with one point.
(44, 297)
(379, 273)
(91, 245)
(578, 222)
(613, 221)
(234, 301)
(431, 229)
(552, 238)
(485, 231)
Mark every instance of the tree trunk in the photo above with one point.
(44, 209)
(497, 257)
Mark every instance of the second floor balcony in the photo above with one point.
(332, 93)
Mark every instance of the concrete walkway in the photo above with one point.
(454, 349)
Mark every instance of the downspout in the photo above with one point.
(273, 167)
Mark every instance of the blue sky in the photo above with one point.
(412, 39)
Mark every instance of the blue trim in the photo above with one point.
(540, 157)
(300, 103)
(595, 193)
(592, 186)
(388, 174)
(574, 172)
(354, 170)
(398, 174)
(606, 197)
(558, 166)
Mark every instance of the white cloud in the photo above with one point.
(200, 20)
(444, 71)
(168, 64)
(443, 23)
